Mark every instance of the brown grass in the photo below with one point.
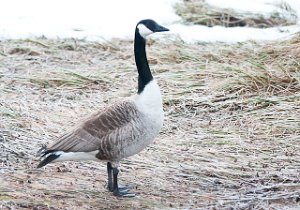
(199, 12)
(230, 139)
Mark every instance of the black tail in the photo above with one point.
(47, 160)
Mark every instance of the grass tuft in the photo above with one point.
(199, 12)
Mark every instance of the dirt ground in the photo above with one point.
(230, 138)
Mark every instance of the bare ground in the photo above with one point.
(230, 139)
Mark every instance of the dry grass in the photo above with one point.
(230, 139)
(199, 12)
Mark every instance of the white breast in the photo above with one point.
(149, 102)
(150, 120)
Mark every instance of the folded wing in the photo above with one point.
(104, 131)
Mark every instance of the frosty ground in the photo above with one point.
(230, 138)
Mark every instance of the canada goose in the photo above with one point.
(122, 129)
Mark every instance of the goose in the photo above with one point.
(120, 130)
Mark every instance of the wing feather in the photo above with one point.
(93, 133)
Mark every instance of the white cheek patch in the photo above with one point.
(144, 31)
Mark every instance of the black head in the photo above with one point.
(148, 26)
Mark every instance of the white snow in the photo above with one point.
(258, 6)
(91, 19)
(106, 19)
(234, 34)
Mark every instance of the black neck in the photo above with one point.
(141, 61)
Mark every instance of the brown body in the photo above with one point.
(117, 132)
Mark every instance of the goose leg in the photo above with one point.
(110, 185)
(109, 174)
(122, 192)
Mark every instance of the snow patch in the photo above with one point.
(96, 20)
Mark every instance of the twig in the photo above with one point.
(37, 42)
